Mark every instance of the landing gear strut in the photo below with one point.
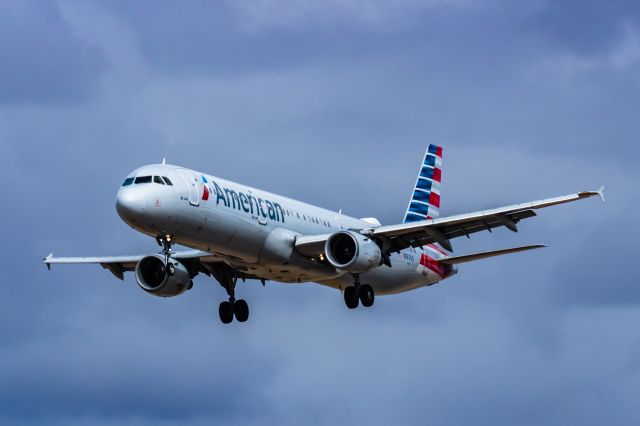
(358, 293)
(166, 241)
(228, 277)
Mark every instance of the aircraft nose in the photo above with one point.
(129, 204)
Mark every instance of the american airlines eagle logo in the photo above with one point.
(205, 191)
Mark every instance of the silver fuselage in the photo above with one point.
(254, 230)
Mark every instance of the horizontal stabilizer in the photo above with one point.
(483, 255)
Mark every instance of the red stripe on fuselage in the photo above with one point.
(433, 265)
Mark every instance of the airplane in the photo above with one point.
(234, 231)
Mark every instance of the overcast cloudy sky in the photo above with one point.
(331, 102)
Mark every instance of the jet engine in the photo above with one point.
(155, 278)
(352, 252)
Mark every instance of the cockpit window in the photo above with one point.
(157, 179)
(128, 181)
(167, 181)
(143, 179)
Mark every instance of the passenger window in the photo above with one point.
(143, 179)
(128, 181)
(167, 181)
(158, 179)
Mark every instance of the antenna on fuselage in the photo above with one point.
(164, 161)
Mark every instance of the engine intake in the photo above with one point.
(152, 277)
(352, 252)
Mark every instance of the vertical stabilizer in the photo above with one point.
(425, 201)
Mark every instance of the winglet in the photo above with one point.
(587, 194)
(45, 260)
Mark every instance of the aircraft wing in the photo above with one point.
(441, 230)
(118, 265)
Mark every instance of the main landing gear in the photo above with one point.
(238, 308)
(228, 277)
(358, 293)
(224, 274)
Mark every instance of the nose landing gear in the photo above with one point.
(358, 293)
(165, 241)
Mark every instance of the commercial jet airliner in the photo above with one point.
(238, 232)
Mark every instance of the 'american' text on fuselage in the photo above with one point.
(248, 202)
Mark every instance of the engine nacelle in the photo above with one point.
(152, 277)
(352, 252)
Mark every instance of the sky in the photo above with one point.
(331, 102)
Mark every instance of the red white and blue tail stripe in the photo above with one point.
(425, 201)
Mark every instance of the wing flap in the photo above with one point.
(117, 269)
(484, 255)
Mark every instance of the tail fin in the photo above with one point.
(425, 201)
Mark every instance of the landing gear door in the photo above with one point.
(191, 183)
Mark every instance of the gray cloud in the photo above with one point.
(338, 114)
(42, 60)
(586, 27)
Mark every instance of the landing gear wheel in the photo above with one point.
(365, 292)
(351, 297)
(171, 269)
(226, 312)
(241, 310)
